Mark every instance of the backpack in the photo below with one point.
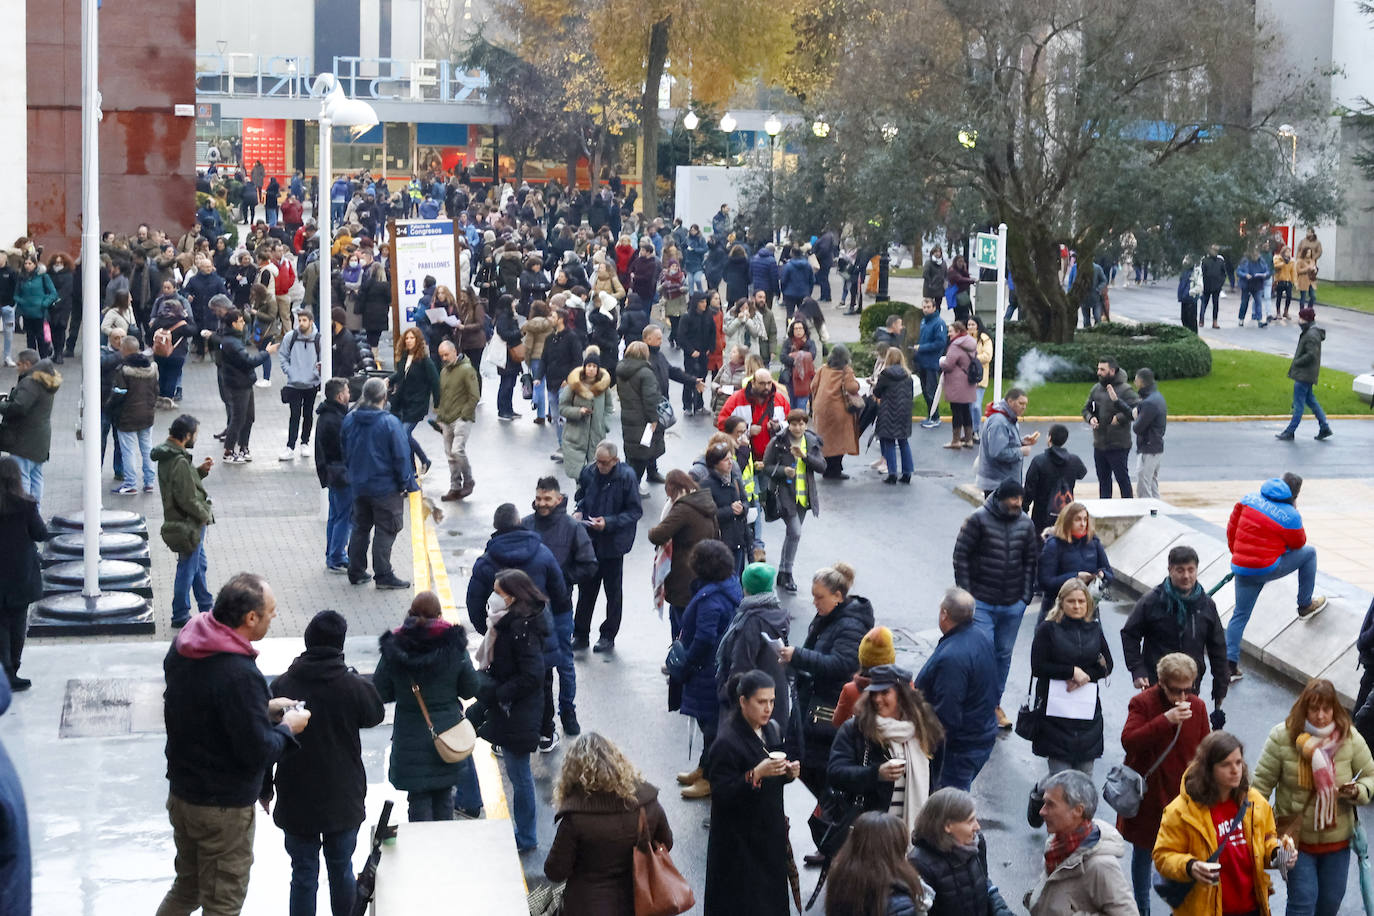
(162, 340)
(975, 371)
(1060, 498)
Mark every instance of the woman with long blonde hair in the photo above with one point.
(1069, 653)
(601, 800)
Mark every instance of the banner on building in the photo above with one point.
(420, 248)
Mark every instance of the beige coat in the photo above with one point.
(833, 421)
(1088, 881)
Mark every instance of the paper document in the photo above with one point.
(780, 414)
(436, 316)
(1079, 703)
(648, 438)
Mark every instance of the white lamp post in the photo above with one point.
(727, 124)
(335, 108)
(772, 127)
(90, 298)
(690, 121)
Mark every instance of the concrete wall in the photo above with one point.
(265, 27)
(14, 128)
(146, 151)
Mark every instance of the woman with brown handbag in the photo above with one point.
(427, 651)
(600, 798)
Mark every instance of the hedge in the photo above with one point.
(1172, 351)
(875, 316)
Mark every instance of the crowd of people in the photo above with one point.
(571, 298)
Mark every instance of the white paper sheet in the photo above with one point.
(648, 438)
(436, 316)
(780, 414)
(1079, 703)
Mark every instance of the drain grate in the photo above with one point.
(111, 706)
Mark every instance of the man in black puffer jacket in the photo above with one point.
(994, 560)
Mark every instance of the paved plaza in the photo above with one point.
(94, 778)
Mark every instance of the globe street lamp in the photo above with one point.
(690, 121)
(820, 128)
(358, 116)
(968, 138)
(1288, 133)
(772, 127)
(727, 124)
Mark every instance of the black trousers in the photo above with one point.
(241, 416)
(301, 404)
(384, 513)
(694, 366)
(930, 381)
(1112, 461)
(1215, 297)
(1187, 313)
(610, 575)
(14, 627)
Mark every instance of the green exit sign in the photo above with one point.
(986, 252)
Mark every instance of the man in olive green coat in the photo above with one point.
(458, 394)
(186, 514)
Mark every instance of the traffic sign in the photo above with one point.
(986, 252)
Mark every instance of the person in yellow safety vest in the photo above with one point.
(738, 429)
(790, 464)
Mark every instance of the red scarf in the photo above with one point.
(1062, 845)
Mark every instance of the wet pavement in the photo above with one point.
(87, 738)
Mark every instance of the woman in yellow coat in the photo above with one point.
(1215, 785)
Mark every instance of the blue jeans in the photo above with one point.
(169, 374)
(522, 798)
(7, 319)
(337, 209)
(1257, 309)
(467, 794)
(415, 450)
(305, 871)
(540, 388)
(696, 281)
(1305, 297)
(1001, 622)
(190, 575)
(890, 448)
(106, 427)
(567, 670)
(958, 766)
(31, 473)
(1248, 588)
(801, 401)
(1303, 398)
(1142, 873)
(272, 216)
(339, 528)
(138, 442)
(1316, 884)
(506, 392)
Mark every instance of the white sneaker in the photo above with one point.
(262, 383)
(305, 450)
(286, 454)
(9, 362)
(643, 489)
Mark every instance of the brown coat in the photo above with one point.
(593, 850)
(954, 364)
(691, 519)
(834, 423)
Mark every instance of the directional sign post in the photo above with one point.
(992, 253)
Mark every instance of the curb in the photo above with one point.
(1192, 418)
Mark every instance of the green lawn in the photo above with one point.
(1347, 295)
(908, 273)
(1242, 383)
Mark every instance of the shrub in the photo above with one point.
(875, 316)
(1172, 351)
(861, 357)
(226, 218)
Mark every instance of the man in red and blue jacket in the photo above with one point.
(1267, 542)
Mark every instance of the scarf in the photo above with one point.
(1062, 845)
(900, 736)
(484, 651)
(1178, 601)
(1317, 749)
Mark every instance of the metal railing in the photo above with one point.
(243, 75)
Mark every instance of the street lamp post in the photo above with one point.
(889, 133)
(335, 109)
(727, 124)
(1288, 133)
(690, 121)
(772, 127)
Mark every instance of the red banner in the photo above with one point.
(264, 140)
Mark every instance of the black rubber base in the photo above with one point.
(73, 614)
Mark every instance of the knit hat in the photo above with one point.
(507, 518)
(327, 628)
(1307, 313)
(1007, 489)
(758, 578)
(338, 314)
(592, 358)
(876, 648)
